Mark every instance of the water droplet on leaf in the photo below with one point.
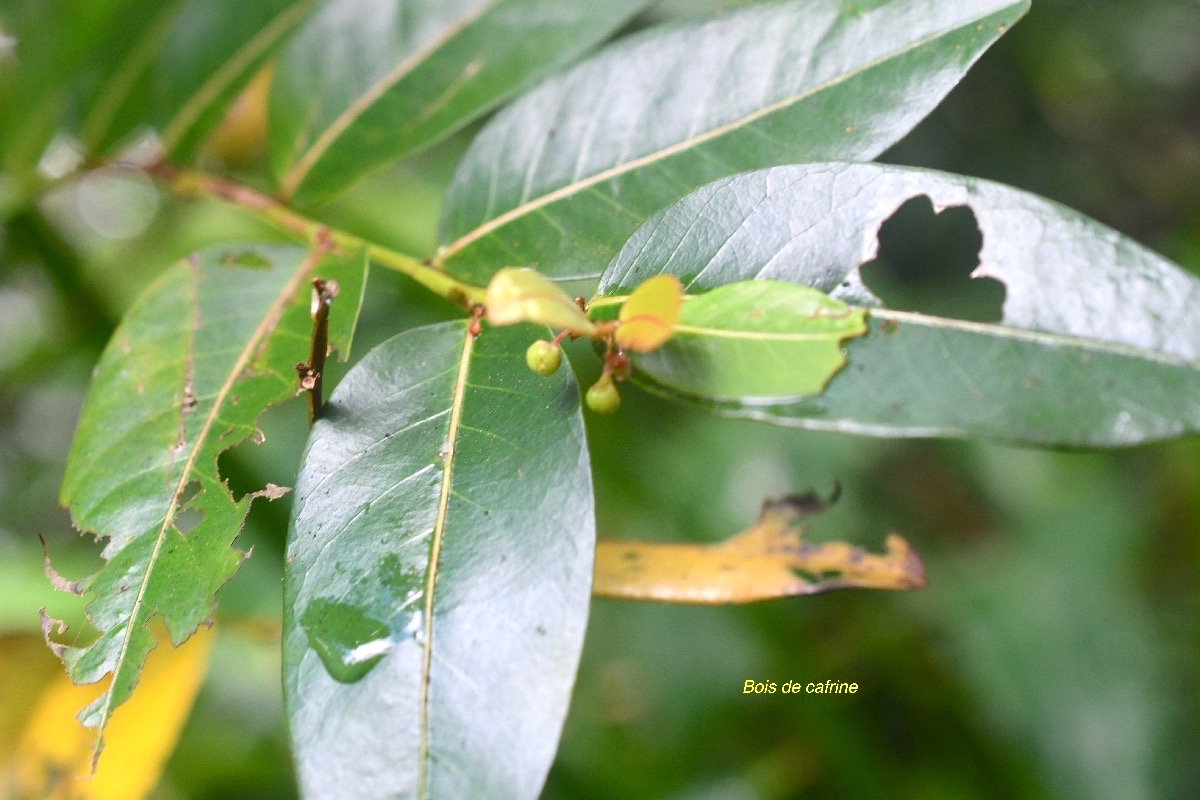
(348, 641)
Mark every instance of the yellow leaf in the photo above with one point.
(525, 295)
(767, 561)
(648, 317)
(54, 758)
(27, 667)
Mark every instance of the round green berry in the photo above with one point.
(543, 358)
(603, 397)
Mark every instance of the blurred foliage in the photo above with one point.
(1054, 653)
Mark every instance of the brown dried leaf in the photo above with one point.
(766, 561)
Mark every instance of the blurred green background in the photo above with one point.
(1056, 651)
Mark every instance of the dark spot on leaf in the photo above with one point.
(925, 262)
(889, 326)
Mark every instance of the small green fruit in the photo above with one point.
(603, 397)
(543, 358)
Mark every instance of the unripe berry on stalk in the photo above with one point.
(603, 397)
(543, 358)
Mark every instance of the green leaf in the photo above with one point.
(1098, 345)
(754, 342)
(212, 52)
(363, 84)
(439, 572)
(560, 179)
(111, 93)
(177, 65)
(55, 39)
(202, 352)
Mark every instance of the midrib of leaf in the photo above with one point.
(295, 176)
(759, 336)
(126, 76)
(439, 527)
(620, 169)
(1036, 337)
(229, 71)
(264, 328)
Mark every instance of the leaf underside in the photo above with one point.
(1098, 345)
(439, 572)
(562, 177)
(202, 352)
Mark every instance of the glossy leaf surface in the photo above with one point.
(1098, 345)
(439, 572)
(365, 83)
(204, 350)
(560, 179)
(756, 342)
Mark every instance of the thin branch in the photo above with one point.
(190, 183)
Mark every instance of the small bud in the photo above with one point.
(603, 397)
(543, 358)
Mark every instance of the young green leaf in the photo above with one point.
(755, 342)
(203, 351)
(439, 572)
(362, 85)
(1098, 345)
(524, 295)
(562, 177)
(648, 316)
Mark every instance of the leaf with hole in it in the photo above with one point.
(648, 317)
(562, 177)
(517, 295)
(364, 84)
(1098, 343)
(767, 561)
(439, 572)
(202, 352)
(755, 342)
